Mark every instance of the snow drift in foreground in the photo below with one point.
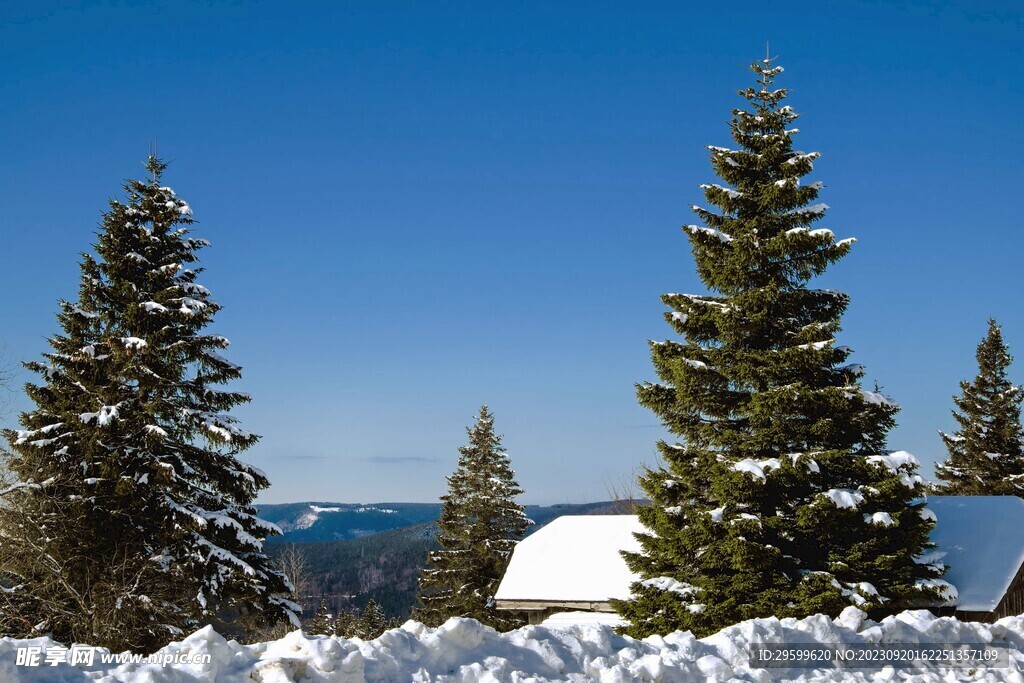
(463, 650)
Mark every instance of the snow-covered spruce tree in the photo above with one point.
(130, 519)
(346, 624)
(479, 525)
(372, 621)
(321, 624)
(986, 456)
(778, 498)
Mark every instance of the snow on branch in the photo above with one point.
(23, 435)
(219, 519)
(77, 310)
(670, 585)
(135, 343)
(879, 518)
(694, 229)
(801, 157)
(219, 361)
(815, 209)
(872, 397)
(946, 590)
(104, 417)
(895, 461)
(819, 232)
(844, 498)
(193, 288)
(733, 194)
(878, 399)
(757, 468)
(815, 346)
(177, 507)
(772, 71)
(223, 555)
(219, 424)
(20, 485)
(900, 463)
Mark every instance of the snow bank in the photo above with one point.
(463, 650)
(569, 619)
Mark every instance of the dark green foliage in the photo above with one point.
(346, 624)
(321, 624)
(985, 454)
(130, 519)
(383, 567)
(367, 624)
(372, 622)
(771, 503)
(479, 525)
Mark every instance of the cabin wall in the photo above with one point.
(536, 611)
(1012, 603)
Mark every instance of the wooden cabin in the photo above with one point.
(981, 540)
(567, 571)
(571, 565)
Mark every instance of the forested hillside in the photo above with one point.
(381, 565)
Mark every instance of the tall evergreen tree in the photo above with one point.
(778, 499)
(131, 518)
(479, 525)
(986, 456)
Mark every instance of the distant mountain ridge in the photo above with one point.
(330, 521)
(313, 521)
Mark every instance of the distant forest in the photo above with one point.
(383, 566)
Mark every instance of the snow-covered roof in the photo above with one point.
(981, 539)
(576, 558)
(573, 558)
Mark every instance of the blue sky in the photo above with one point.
(416, 208)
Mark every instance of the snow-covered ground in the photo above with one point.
(463, 650)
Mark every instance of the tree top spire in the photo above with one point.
(154, 164)
(763, 96)
(155, 167)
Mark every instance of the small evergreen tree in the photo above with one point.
(779, 499)
(130, 518)
(986, 457)
(346, 624)
(479, 525)
(372, 621)
(321, 624)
